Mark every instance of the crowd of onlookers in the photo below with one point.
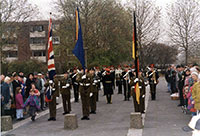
(184, 81)
(16, 92)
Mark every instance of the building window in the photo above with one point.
(37, 40)
(9, 41)
(10, 54)
(39, 53)
(38, 28)
(56, 40)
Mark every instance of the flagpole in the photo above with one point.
(136, 45)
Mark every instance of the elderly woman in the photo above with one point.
(196, 92)
(5, 94)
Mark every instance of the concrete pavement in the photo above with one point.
(163, 117)
(110, 120)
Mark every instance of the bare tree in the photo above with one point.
(184, 23)
(148, 24)
(11, 12)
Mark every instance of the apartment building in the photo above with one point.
(29, 41)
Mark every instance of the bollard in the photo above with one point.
(70, 121)
(6, 123)
(136, 120)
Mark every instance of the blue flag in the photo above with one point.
(78, 49)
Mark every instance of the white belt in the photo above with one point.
(76, 83)
(134, 87)
(88, 84)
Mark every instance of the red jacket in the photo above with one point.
(19, 101)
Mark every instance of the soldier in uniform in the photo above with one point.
(53, 85)
(153, 81)
(107, 80)
(103, 73)
(94, 91)
(85, 81)
(65, 86)
(98, 77)
(112, 73)
(141, 106)
(75, 84)
(119, 79)
(126, 77)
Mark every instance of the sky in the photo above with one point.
(46, 6)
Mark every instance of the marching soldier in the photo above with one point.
(98, 76)
(53, 92)
(112, 73)
(85, 80)
(94, 91)
(107, 81)
(141, 106)
(119, 79)
(75, 84)
(65, 86)
(153, 81)
(125, 76)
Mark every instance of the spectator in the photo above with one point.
(19, 104)
(33, 102)
(15, 84)
(196, 91)
(5, 95)
(173, 83)
(41, 90)
(21, 81)
(168, 78)
(36, 92)
(29, 81)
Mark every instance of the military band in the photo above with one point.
(87, 83)
(153, 81)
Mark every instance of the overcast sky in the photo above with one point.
(46, 6)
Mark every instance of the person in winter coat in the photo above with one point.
(33, 102)
(5, 94)
(19, 104)
(196, 93)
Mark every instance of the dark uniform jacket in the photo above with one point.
(65, 86)
(86, 83)
(107, 80)
(150, 77)
(142, 86)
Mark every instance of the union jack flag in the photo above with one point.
(51, 64)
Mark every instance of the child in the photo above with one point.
(36, 92)
(19, 104)
(33, 102)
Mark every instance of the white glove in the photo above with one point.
(95, 81)
(84, 77)
(129, 81)
(64, 87)
(136, 80)
(67, 85)
(53, 89)
(91, 94)
(143, 96)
